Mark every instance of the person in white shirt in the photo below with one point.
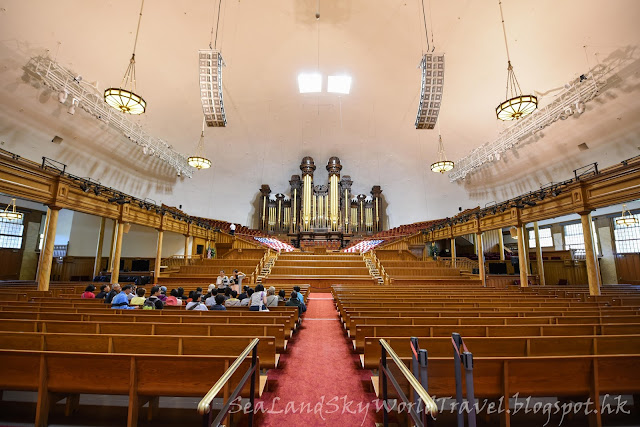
(222, 281)
(232, 229)
(196, 304)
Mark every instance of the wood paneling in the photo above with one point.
(82, 267)
(10, 262)
(575, 272)
(628, 267)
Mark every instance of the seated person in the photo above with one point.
(227, 293)
(219, 305)
(243, 295)
(211, 298)
(191, 293)
(121, 300)
(233, 301)
(300, 298)
(132, 293)
(294, 302)
(181, 293)
(162, 295)
(272, 299)
(245, 302)
(174, 298)
(281, 295)
(88, 292)
(153, 302)
(258, 300)
(115, 289)
(104, 291)
(139, 298)
(196, 304)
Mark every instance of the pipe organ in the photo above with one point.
(317, 212)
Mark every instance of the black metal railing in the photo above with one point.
(205, 405)
(464, 358)
(422, 415)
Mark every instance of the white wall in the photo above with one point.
(139, 242)
(63, 230)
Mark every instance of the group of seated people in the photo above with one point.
(132, 297)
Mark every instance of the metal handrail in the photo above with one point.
(430, 406)
(204, 407)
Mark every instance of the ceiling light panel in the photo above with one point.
(310, 82)
(339, 84)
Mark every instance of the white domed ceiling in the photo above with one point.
(271, 126)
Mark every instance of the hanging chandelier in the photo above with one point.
(516, 105)
(626, 219)
(124, 97)
(442, 165)
(11, 214)
(199, 161)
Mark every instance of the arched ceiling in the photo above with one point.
(271, 126)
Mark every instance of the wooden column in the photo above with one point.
(98, 263)
(501, 244)
(522, 259)
(525, 237)
(44, 273)
(114, 241)
(453, 252)
(481, 259)
(156, 270)
(590, 250)
(115, 274)
(539, 260)
(186, 246)
(44, 239)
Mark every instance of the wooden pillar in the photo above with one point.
(522, 259)
(44, 239)
(525, 237)
(156, 270)
(481, 259)
(186, 246)
(114, 241)
(539, 260)
(453, 252)
(98, 263)
(115, 274)
(590, 250)
(501, 244)
(44, 273)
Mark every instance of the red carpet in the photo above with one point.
(320, 383)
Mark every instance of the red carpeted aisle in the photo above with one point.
(320, 383)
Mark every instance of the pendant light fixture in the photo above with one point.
(516, 105)
(442, 165)
(11, 214)
(626, 219)
(124, 97)
(199, 161)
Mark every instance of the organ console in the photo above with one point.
(322, 212)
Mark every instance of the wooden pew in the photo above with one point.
(141, 328)
(562, 376)
(58, 375)
(141, 344)
(373, 331)
(507, 346)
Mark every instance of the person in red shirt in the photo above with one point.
(88, 292)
